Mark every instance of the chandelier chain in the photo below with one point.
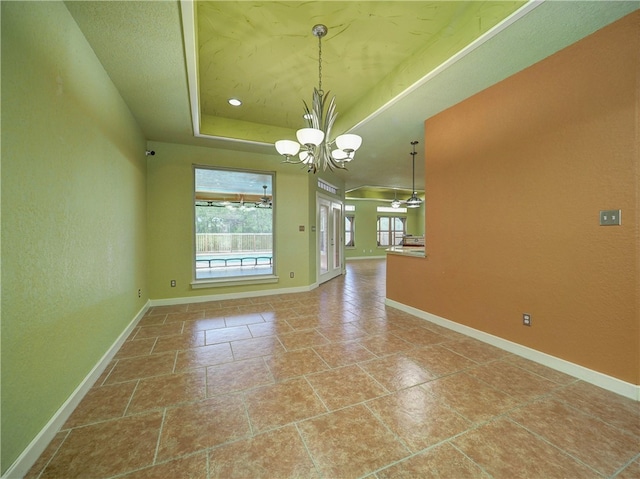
(320, 65)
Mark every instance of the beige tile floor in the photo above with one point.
(333, 384)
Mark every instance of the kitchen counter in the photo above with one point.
(415, 251)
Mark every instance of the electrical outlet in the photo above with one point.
(173, 283)
(291, 275)
(526, 319)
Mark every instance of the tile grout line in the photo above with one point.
(252, 432)
(479, 466)
(556, 447)
(155, 456)
(66, 436)
(625, 466)
(135, 388)
(306, 447)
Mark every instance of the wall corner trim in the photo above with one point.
(596, 378)
(36, 447)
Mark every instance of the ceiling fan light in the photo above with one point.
(349, 143)
(287, 147)
(310, 136)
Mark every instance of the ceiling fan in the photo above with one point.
(265, 201)
(210, 200)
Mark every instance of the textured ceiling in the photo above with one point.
(391, 65)
(265, 54)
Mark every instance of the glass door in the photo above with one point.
(329, 238)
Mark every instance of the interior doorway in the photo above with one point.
(330, 234)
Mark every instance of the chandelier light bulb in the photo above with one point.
(287, 147)
(349, 143)
(310, 136)
(339, 155)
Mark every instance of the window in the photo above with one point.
(349, 231)
(233, 223)
(391, 230)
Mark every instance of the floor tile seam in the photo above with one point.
(306, 448)
(106, 378)
(155, 376)
(252, 431)
(384, 388)
(135, 388)
(626, 465)
(266, 365)
(323, 336)
(321, 359)
(315, 392)
(480, 363)
(437, 375)
(54, 454)
(158, 464)
(556, 447)
(511, 395)
(155, 343)
(175, 363)
(389, 429)
(157, 449)
(574, 380)
(500, 415)
(115, 418)
(479, 466)
(583, 412)
(599, 391)
(325, 413)
(426, 450)
(225, 341)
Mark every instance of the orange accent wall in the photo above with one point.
(515, 178)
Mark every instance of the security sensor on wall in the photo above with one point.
(149, 152)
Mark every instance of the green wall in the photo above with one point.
(73, 216)
(366, 221)
(170, 219)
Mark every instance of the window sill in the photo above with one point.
(237, 281)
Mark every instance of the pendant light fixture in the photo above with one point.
(414, 201)
(315, 146)
(396, 202)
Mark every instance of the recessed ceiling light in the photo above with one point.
(234, 102)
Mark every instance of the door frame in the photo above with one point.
(334, 205)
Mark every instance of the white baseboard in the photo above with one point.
(240, 295)
(30, 455)
(356, 258)
(596, 378)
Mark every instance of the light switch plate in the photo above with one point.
(610, 217)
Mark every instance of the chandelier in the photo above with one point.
(315, 149)
(414, 201)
